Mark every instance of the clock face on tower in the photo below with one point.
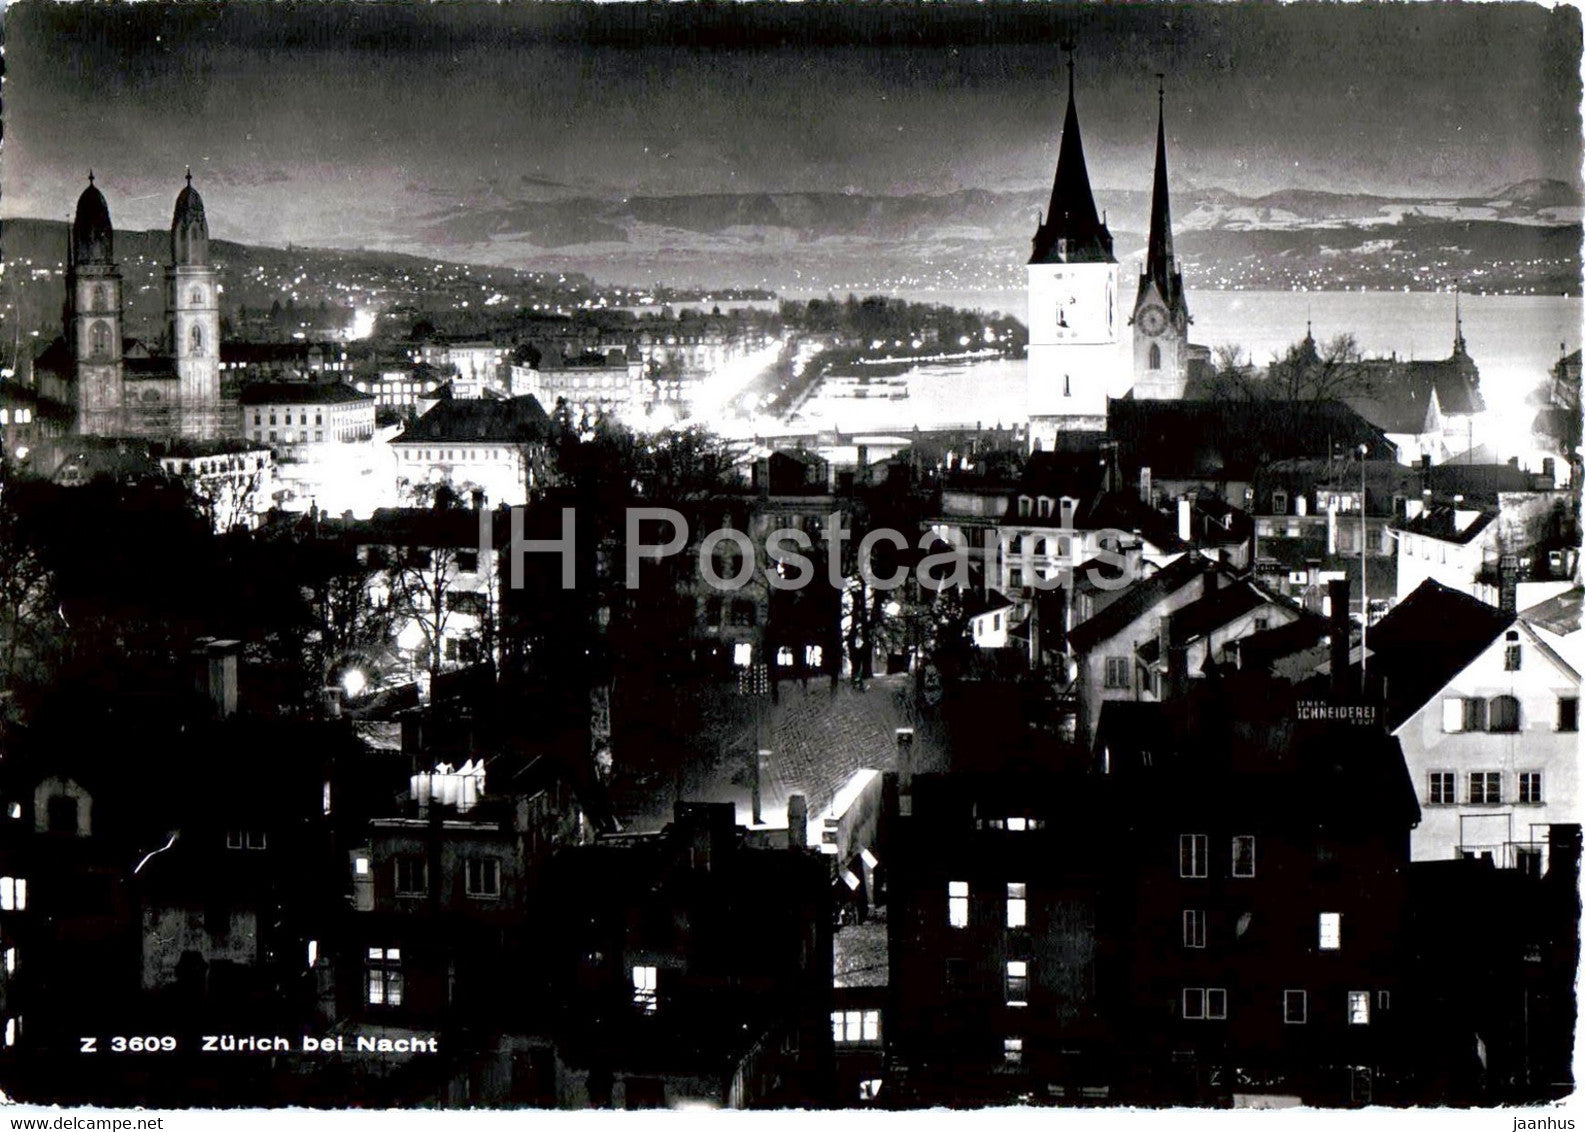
(1153, 320)
(1078, 304)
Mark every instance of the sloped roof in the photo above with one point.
(514, 421)
(1136, 601)
(300, 393)
(1402, 408)
(1426, 640)
(1559, 614)
(1440, 521)
(1231, 440)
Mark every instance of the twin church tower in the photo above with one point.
(121, 388)
(1082, 349)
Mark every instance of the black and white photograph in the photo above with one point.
(822, 556)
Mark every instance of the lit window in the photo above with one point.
(385, 976)
(645, 995)
(1191, 855)
(855, 1026)
(1193, 927)
(1444, 788)
(1295, 1007)
(1017, 982)
(13, 894)
(1013, 1051)
(1017, 825)
(1243, 856)
(1358, 1008)
(1530, 787)
(1331, 935)
(1017, 905)
(10, 960)
(958, 903)
(360, 865)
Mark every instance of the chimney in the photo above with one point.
(797, 822)
(1185, 519)
(1549, 470)
(1563, 854)
(1508, 583)
(708, 828)
(1164, 654)
(1337, 593)
(904, 738)
(756, 774)
(221, 659)
(1177, 671)
(1412, 509)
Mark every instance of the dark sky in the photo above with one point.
(346, 123)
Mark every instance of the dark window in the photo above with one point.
(1504, 714)
(1295, 1007)
(1530, 787)
(1444, 788)
(1511, 652)
(62, 814)
(1155, 356)
(1191, 855)
(743, 614)
(1568, 713)
(1485, 787)
(467, 561)
(412, 876)
(1193, 927)
(483, 876)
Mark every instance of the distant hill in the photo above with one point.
(1521, 237)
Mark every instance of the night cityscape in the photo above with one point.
(817, 557)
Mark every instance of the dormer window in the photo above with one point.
(1045, 507)
(1025, 505)
(1279, 503)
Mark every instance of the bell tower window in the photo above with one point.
(99, 340)
(196, 338)
(100, 300)
(195, 297)
(1155, 356)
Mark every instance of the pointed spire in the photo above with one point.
(1458, 322)
(1073, 231)
(1161, 266)
(189, 176)
(90, 176)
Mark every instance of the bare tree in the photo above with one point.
(1307, 373)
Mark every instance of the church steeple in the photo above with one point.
(1161, 267)
(1459, 349)
(1072, 230)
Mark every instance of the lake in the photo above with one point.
(1514, 339)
